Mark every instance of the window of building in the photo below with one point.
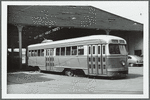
(74, 50)
(138, 52)
(80, 50)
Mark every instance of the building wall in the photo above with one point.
(134, 41)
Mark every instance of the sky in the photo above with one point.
(132, 10)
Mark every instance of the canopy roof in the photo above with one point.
(70, 16)
(94, 39)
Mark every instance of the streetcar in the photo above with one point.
(95, 55)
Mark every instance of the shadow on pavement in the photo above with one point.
(129, 76)
(22, 77)
(54, 73)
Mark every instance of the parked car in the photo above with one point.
(135, 60)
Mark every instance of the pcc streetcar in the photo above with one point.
(96, 55)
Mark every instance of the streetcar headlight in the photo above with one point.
(123, 63)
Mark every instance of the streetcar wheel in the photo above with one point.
(69, 73)
(78, 72)
(66, 72)
(39, 70)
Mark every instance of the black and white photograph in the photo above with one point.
(75, 49)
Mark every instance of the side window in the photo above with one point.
(35, 53)
(42, 52)
(63, 51)
(46, 52)
(32, 53)
(74, 50)
(99, 50)
(51, 52)
(68, 50)
(80, 50)
(39, 52)
(29, 53)
(57, 51)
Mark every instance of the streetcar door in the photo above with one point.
(96, 60)
(103, 60)
(49, 60)
(93, 60)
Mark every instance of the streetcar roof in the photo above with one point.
(101, 39)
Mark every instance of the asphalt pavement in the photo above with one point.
(33, 82)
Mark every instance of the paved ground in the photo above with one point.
(25, 82)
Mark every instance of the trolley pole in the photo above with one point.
(107, 31)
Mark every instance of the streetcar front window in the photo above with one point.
(117, 49)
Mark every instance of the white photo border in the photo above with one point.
(60, 96)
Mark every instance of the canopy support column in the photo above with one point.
(12, 53)
(20, 45)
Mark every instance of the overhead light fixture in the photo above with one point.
(111, 19)
(73, 18)
(67, 12)
(135, 24)
(72, 6)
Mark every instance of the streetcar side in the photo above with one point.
(66, 58)
(96, 56)
(36, 58)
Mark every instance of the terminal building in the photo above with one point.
(33, 24)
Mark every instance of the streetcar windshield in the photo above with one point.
(117, 49)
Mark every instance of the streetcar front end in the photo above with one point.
(117, 59)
